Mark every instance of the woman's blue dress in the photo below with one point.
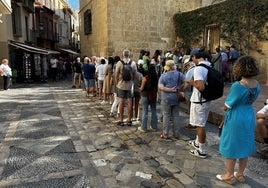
(237, 138)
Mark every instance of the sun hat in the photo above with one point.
(186, 62)
(168, 65)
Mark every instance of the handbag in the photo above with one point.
(181, 96)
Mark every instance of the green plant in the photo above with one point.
(242, 23)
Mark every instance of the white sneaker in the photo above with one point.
(141, 130)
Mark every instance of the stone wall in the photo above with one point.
(262, 59)
(136, 25)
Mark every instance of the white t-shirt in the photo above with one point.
(6, 70)
(200, 73)
(101, 71)
(53, 63)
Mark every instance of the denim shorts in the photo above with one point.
(89, 82)
(100, 83)
(124, 94)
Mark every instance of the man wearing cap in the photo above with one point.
(199, 109)
(169, 83)
(262, 122)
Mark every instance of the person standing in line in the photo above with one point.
(114, 107)
(187, 88)
(262, 122)
(6, 72)
(95, 61)
(224, 64)
(169, 84)
(148, 90)
(107, 87)
(124, 87)
(137, 97)
(216, 60)
(100, 74)
(200, 108)
(239, 120)
(77, 68)
(146, 60)
(89, 76)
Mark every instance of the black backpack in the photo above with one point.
(126, 71)
(214, 85)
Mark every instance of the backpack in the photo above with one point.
(126, 71)
(214, 84)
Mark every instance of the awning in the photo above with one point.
(32, 49)
(68, 51)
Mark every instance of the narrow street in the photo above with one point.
(53, 136)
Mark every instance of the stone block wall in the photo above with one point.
(136, 25)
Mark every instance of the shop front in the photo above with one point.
(29, 64)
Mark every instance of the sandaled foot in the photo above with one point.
(197, 153)
(129, 123)
(193, 143)
(120, 123)
(239, 177)
(229, 181)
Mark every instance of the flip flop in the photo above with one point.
(229, 181)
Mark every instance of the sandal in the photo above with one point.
(239, 177)
(120, 123)
(229, 181)
(197, 153)
(129, 123)
(164, 137)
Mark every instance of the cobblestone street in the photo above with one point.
(53, 136)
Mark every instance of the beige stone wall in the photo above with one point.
(262, 59)
(136, 25)
(97, 42)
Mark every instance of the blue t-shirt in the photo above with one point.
(170, 80)
(89, 71)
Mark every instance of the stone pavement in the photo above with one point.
(54, 136)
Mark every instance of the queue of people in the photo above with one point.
(159, 79)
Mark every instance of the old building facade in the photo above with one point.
(109, 26)
(34, 29)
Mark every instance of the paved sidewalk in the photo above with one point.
(54, 136)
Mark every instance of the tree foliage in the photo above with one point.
(242, 23)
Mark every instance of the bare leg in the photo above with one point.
(242, 163)
(229, 164)
(130, 109)
(121, 109)
(200, 131)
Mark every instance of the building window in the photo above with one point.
(87, 22)
(16, 20)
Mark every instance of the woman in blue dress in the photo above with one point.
(237, 140)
